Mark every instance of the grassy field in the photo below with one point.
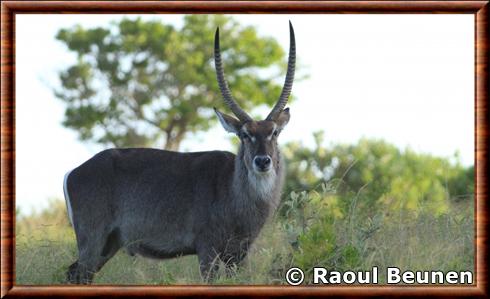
(45, 247)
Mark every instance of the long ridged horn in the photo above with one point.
(288, 82)
(223, 86)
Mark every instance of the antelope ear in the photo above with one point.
(230, 123)
(283, 119)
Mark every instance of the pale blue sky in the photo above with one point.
(405, 78)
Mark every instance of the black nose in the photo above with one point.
(262, 162)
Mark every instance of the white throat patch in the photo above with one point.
(263, 184)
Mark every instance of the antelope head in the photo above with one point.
(258, 138)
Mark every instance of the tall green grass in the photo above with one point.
(45, 247)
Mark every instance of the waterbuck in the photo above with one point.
(162, 204)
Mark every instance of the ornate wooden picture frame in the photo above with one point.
(9, 10)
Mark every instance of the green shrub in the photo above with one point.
(385, 177)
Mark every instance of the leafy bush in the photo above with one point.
(384, 176)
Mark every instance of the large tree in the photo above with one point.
(146, 83)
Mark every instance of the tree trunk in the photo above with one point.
(173, 142)
(171, 145)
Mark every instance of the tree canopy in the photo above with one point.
(146, 83)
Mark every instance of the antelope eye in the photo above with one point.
(276, 132)
(245, 136)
